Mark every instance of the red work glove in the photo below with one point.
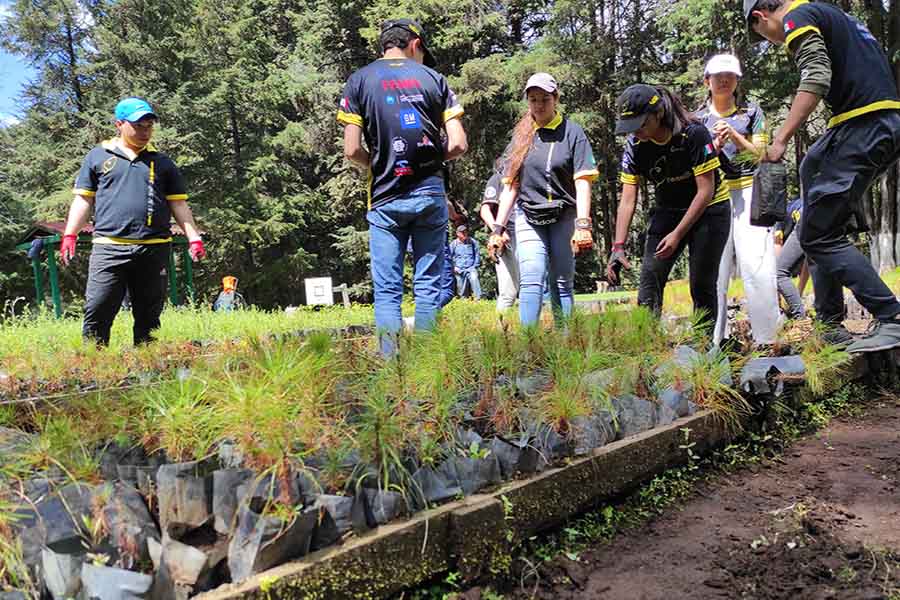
(67, 247)
(197, 250)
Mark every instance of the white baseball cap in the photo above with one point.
(544, 81)
(723, 63)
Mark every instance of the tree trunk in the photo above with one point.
(72, 57)
(881, 201)
(235, 142)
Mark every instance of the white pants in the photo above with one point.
(754, 248)
(508, 272)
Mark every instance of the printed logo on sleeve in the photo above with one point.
(789, 25)
(490, 192)
(424, 142)
(710, 149)
(345, 104)
(409, 119)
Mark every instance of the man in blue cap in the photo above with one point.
(133, 192)
(410, 120)
(841, 62)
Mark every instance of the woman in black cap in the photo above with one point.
(547, 179)
(668, 147)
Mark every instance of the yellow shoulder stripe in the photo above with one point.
(349, 118)
(453, 113)
(800, 31)
(707, 166)
(629, 178)
(589, 174)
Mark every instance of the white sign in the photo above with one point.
(318, 290)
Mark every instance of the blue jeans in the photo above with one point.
(467, 283)
(539, 248)
(422, 215)
(448, 280)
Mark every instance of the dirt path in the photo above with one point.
(821, 522)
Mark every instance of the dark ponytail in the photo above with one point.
(674, 115)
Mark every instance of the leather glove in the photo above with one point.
(67, 247)
(197, 250)
(496, 244)
(617, 261)
(582, 241)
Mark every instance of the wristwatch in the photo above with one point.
(583, 223)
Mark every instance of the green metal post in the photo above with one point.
(188, 273)
(38, 280)
(54, 281)
(173, 278)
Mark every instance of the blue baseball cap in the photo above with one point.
(133, 110)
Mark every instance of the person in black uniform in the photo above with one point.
(134, 191)
(402, 107)
(841, 61)
(673, 150)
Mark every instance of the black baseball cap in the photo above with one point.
(749, 5)
(633, 106)
(414, 28)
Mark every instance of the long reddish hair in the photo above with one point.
(522, 141)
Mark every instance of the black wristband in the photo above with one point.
(498, 229)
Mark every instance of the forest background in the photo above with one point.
(247, 92)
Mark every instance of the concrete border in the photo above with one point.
(473, 535)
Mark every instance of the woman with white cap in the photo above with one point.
(739, 134)
(549, 167)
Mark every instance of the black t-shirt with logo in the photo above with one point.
(861, 77)
(131, 197)
(749, 121)
(672, 167)
(560, 155)
(401, 107)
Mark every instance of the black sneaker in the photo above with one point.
(837, 335)
(881, 335)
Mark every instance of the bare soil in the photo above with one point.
(822, 521)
